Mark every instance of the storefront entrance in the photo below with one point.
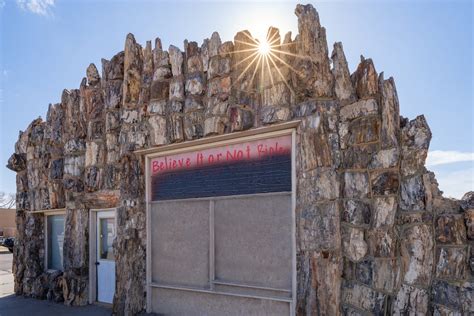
(220, 228)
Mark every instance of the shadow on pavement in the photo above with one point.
(13, 305)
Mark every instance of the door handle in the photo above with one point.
(97, 263)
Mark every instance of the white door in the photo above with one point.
(106, 231)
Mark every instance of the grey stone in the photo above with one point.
(451, 263)
(176, 60)
(412, 194)
(384, 209)
(359, 109)
(343, 85)
(365, 79)
(195, 84)
(356, 212)
(411, 300)
(93, 77)
(318, 225)
(353, 243)
(241, 118)
(417, 255)
(356, 184)
(384, 182)
(363, 297)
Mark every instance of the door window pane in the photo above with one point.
(55, 241)
(106, 238)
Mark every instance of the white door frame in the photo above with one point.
(93, 216)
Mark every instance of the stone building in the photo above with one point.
(202, 182)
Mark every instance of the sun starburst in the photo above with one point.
(268, 57)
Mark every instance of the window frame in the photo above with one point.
(288, 128)
(46, 214)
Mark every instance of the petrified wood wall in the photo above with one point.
(374, 234)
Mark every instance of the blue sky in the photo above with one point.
(46, 45)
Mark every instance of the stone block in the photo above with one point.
(56, 169)
(379, 273)
(162, 73)
(112, 121)
(356, 212)
(277, 95)
(17, 162)
(318, 185)
(56, 194)
(215, 106)
(111, 177)
(22, 181)
(412, 194)
(359, 109)
(363, 297)
(195, 84)
(447, 294)
(175, 106)
(342, 85)
(450, 229)
(95, 154)
(74, 146)
(411, 300)
(129, 116)
(358, 157)
(193, 125)
(193, 104)
(451, 263)
(158, 107)
(272, 114)
(176, 89)
(384, 209)
(176, 60)
(363, 130)
(194, 64)
(322, 271)
(356, 184)
(159, 90)
(417, 255)
(158, 127)
(74, 185)
(319, 227)
(175, 128)
(382, 242)
(219, 87)
(218, 66)
(309, 107)
(73, 165)
(95, 129)
(365, 79)
(214, 125)
(353, 243)
(113, 69)
(469, 217)
(241, 119)
(384, 182)
(390, 113)
(386, 158)
(93, 178)
(313, 149)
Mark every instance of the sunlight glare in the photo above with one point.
(264, 47)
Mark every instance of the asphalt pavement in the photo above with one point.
(12, 305)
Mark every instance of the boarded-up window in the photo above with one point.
(221, 231)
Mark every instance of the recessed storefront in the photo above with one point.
(221, 230)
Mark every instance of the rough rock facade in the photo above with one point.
(374, 233)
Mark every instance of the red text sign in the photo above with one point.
(224, 154)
